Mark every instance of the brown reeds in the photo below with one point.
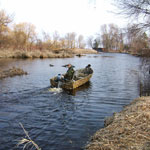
(84, 51)
(33, 54)
(27, 141)
(68, 53)
(12, 72)
(127, 130)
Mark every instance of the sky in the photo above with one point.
(80, 16)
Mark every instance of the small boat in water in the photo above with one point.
(79, 79)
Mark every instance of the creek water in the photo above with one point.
(62, 120)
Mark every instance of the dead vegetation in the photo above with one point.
(33, 54)
(127, 130)
(83, 51)
(68, 53)
(12, 72)
(27, 141)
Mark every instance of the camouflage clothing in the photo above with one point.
(70, 73)
(88, 69)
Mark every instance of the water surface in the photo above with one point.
(64, 120)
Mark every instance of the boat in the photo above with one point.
(79, 79)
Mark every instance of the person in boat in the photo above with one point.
(70, 73)
(88, 69)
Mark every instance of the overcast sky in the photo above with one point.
(81, 16)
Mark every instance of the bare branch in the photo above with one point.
(137, 9)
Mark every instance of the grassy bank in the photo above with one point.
(44, 53)
(127, 130)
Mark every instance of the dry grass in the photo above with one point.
(12, 72)
(33, 54)
(84, 51)
(27, 141)
(128, 130)
(68, 53)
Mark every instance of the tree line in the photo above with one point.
(136, 11)
(115, 39)
(23, 36)
(135, 37)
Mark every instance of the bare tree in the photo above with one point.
(63, 43)
(90, 41)
(24, 35)
(136, 9)
(56, 38)
(105, 37)
(71, 40)
(136, 39)
(5, 20)
(81, 43)
(46, 42)
(19, 37)
(112, 37)
(31, 34)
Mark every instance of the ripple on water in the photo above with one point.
(64, 120)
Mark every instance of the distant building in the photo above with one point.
(99, 49)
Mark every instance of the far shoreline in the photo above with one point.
(63, 53)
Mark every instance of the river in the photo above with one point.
(64, 120)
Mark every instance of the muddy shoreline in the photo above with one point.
(126, 130)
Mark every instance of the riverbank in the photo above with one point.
(11, 72)
(64, 53)
(126, 130)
